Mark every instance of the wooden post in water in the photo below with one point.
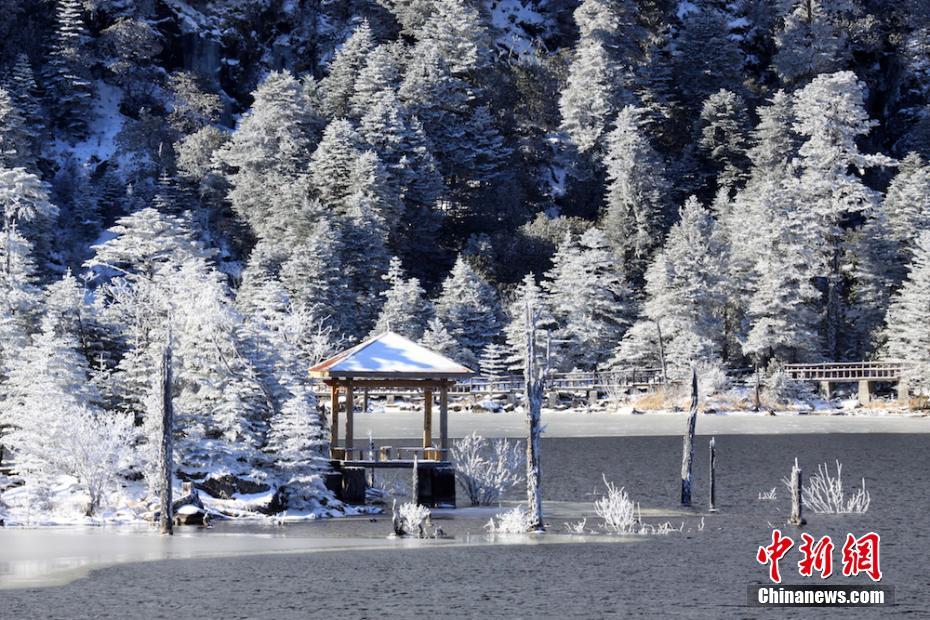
(415, 482)
(166, 451)
(533, 395)
(756, 400)
(797, 503)
(713, 478)
(687, 456)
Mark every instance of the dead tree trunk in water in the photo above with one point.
(713, 475)
(415, 482)
(662, 354)
(533, 378)
(797, 503)
(167, 446)
(687, 456)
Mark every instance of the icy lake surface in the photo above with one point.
(696, 573)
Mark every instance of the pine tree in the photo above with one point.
(515, 327)
(377, 80)
(437, 338)
(782, 308)
(493, 361)
(314, 280)
(907, 337)
(774, 144)
(15, 143)
(600, 77)
(365, 257)
(589, 299)
(456, 31)
(809, 44)
(637, 192)
(339, 84)
(405, 309)
(333, 162)
(831, 115)
(296, 444)
(268, 154)
(468, 307)
(70, 92)
(907, 204)
(725, 125)
(707, 58)
(684, 295)
(22, 87)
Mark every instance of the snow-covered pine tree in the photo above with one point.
(15, 141)
(906, 334)
(493, 361)
(907, 204)
(781, 314)
(314, 280)
(637, 194)
(455, 29)
(589, 299)
(468, 307)
(377, 79)
(831, 116)
(21, 84)
(296, 445)
(707, 58)
(269, 151)
(365, 258)
(437, 338)
(809, 43)
(333, 162)
(405, 310)
(339, 85)
(601, 74)
(515, 326)
(68, 87)
(724, 137)
(684, 294)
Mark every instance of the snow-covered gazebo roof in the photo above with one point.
(384, 362)
(390, 356)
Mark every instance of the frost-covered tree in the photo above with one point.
(831, 116)
(339, 85)
(707, 58)
(724, 129)
(493, 362)
(269, 151)
(637, 193)
(455, 29)
(684, 293)
(782, 308)
(906, 333)
(332, 164)
(437, 338)
(365, 257)
(809, 43)
(468, 307)
(589, 298)
(15, 142)
(296, 444)
(601, 73)
(24, 91)
(377, 80)
(70, 91)
(907, 204)
(515, 327)
(405, 310)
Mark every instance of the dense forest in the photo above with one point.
(738, 183)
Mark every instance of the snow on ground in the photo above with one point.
(101, 143)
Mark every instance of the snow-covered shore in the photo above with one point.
(581, 423)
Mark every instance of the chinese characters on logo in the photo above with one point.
(860, 555)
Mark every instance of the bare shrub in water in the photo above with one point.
(516, 521)
(487, 469)
(824, 494)
(617, 510)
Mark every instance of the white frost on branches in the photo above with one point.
(824, 494)
(617, 510)
(487, 470)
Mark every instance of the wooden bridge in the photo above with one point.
(863, 373)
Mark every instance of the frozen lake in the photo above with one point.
(359, 573)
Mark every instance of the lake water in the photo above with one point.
(695, 573)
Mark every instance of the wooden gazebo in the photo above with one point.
(385, 362)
